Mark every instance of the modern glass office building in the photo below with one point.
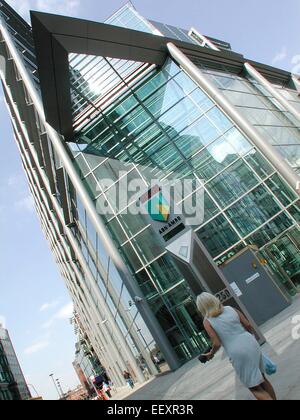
(12, 382)
(8, 388)
(99, 109)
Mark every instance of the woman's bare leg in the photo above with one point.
(260, 394)
(267, 386)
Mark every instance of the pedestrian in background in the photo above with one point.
(107, 390)
(128, 379)
(112, 385)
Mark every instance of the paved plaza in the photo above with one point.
(217, 380)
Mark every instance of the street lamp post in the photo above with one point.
(57, 390)
(60, 388)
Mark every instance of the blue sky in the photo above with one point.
(33, 298)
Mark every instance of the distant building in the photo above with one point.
(11, 374)
(76, 394)
(81, 376)
(8, 387)
(86, 363)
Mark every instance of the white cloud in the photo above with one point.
(66, 7)
(17, 187)
(16, 181)
(66, 312)
(49, 305)
(280, 56)
(48, 324)
(25, 204)
(36, 347)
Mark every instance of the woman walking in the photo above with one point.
(229, 328)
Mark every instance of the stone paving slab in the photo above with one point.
(126, 392)
(217, 380)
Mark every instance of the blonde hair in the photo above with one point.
(209, 306)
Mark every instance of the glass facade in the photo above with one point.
(134, 123)
(14, 365)
(8, 386)
(263, 111)
(86, 364)
(117, 300)
(164, 126)
(6, 378)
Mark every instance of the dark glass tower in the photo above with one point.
(12, 382)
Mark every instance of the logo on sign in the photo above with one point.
(157, 206)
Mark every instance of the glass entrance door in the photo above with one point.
(188, 315)
(285, 253)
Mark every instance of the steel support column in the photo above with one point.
(273, 91)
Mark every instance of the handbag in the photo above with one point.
(269, 365)
(202, 358)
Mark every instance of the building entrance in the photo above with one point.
(283, 256)
(198, 271)
(255, 286)
(188, 315)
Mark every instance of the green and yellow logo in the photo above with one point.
(158, 208)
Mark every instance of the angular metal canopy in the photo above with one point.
(55, 37)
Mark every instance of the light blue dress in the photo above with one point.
(241, 347)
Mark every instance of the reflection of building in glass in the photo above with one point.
(12, 381)
(142, 116)
(86, 363)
